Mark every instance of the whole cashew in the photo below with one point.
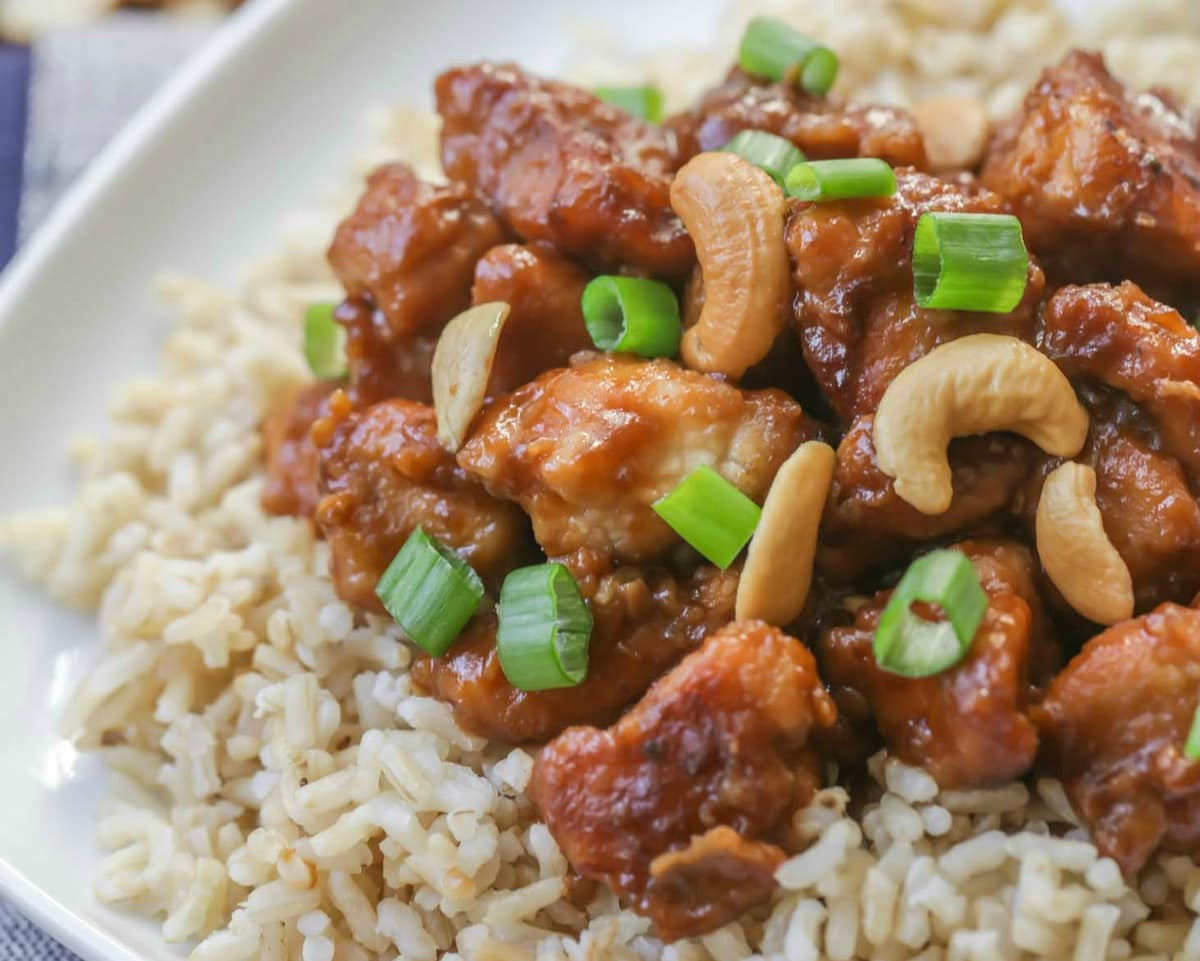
(972, 385)
(775, 580)
(735, 214)
(955, 130)
(1078, 557)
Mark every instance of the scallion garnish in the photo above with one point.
(324, 342)
(821, 180)
(632, 315)
(645, 103)
(545, 625)
(773, 154)
(772, 49)
(430, 592)
(1191, 747)
(969, 262)
(912, 646)
(710, 514)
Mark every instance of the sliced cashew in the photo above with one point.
(972, 385)
(462, 367)
(1078, 557)
(775, 581)
(955, 130)
(735, 213)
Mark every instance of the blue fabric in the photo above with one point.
(14, 99)
(21, 941)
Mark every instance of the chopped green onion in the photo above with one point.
(430, 592)
(710, 514)
(969, 262)
(632, 315)
(1192, 747)
(819, 72)
(773, 154)
(772, 49)
(820, 180)
(544, 629)
(643, 102)
(912, 646)
(324, 342)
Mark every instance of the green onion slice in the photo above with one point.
(819, 72)
(632, 315)
(911, 646)
(324, 342)
(643, 102)
(544, 629)
(710, 514)
(773, 154)
(821, 180)
(969, 262)
(430, 592)
(772, 49)
(1192, 747)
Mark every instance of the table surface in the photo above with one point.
(60, 102)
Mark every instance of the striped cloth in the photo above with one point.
(59, 104)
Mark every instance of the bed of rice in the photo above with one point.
(280, 791)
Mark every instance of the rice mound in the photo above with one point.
(281, 792)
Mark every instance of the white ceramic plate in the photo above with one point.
(256, 125)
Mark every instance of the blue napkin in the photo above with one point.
(14, 89)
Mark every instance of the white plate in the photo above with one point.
(257, 124)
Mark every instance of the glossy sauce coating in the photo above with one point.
(643, 623)
(720, 742)
(292, 465)
(1106, 181)
(967, 726)
(559, 165)
(855, 310)
(383, 474)
(586, 450)
(1113, 725)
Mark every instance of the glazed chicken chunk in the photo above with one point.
(545, 325)
(588, 449)
(642, 624)
(383, 474)
(410, 247)
(1105, 181)
(855, 310)
(558, 164)
(291, 486)
(1114, 725)
(967, 726)
(821, 127)
(678, 804)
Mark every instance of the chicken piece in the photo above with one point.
(821, 127)
(586, 450)
(291, 483)
(676, 804)
(1120, 337)
(545, 326)
(1113, 725)
(558, 164)
(383, 474)
(967, 726)
(868, 525)
(1106, 183)
(411, 247)
(642, 624)
(382, 366)
(1148, 511)
(857, 318)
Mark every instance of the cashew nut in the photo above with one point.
(955, 130)
(462, 367)
(735, 214)
(972, 385)
(778, 571)
(1078, 557)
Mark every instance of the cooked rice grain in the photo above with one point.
(282, 793)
